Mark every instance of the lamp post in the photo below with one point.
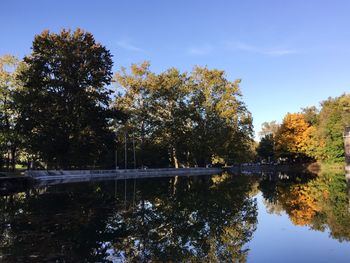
(133, 148)
(125, 150)
(116, 153)
(117, 122)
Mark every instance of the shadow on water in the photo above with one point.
(204, 218)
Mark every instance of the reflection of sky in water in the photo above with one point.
(276, 239)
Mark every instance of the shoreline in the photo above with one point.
(10, 184)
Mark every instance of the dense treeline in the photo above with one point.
(193, 119)
(61, 107)
(312, 134)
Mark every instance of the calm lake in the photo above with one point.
(221, 218)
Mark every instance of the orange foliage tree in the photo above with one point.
(293, 137)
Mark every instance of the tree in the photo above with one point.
(172, 122)
(313, 133)
(134, 98)
(9, 138)
(266, 147)
(63, 105)
(223, 125)
(195, 118)
(311, 115)
(333, 118)
(291, 136)
(268, 128)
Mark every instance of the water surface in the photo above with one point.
(221, 218)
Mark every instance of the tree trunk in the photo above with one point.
(13, 158)
(188, 159)
(8, 161)
(176, 162)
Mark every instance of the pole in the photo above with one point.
(133, 146)
(125, 152)
(116, 150)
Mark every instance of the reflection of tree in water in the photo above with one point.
(205, 219)
(321, 203)
(196, 218)
(54, 225)
(300, 204)
(276, 189)
(331, 193)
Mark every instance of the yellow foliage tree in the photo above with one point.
(294, 136)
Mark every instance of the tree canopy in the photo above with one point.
(59, 110)
(63, 105)
(312, 133)
(193, 119)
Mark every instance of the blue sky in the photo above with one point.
(289, 54)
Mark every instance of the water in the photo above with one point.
(221, 218)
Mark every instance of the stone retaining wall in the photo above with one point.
(53, 177)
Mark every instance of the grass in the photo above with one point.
(19, 169)
(332, 167)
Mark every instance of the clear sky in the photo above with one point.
(289, 54)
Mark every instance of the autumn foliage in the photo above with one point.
(310, 134)
(291, 136)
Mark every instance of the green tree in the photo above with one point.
(311, 115)
(133, 98)
(266, 147)
(195, 119)
(172, 122)
(63, 105)
(333, 118)
(9, 137)
(223, 125)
